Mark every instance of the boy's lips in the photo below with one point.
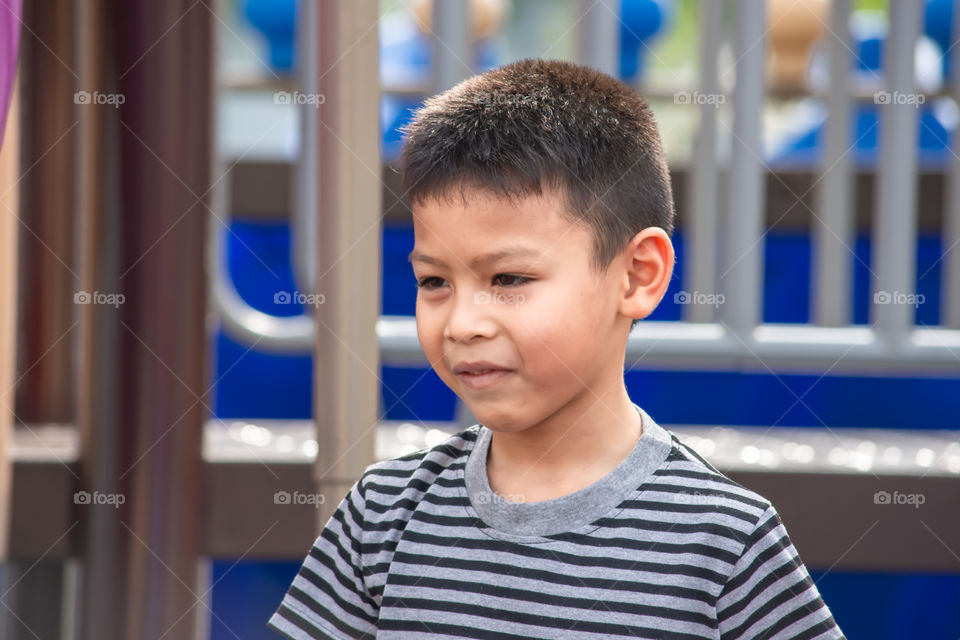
(482, 380)
(480, 374)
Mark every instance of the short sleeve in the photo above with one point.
(770, 594)
(328, 598)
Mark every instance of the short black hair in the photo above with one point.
(546, 124)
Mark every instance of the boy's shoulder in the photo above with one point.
(694, 480)
(428, 462)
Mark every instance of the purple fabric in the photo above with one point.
(10, 12)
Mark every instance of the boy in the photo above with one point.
(542, 219)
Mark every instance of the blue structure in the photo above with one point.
(259, 385)
(640, 22)
(276, 19)
(937, 117)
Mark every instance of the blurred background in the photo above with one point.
(206, 312)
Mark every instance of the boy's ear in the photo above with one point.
(649, 261)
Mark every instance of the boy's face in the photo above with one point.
(511, 284)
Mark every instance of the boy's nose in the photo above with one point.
(470, 317)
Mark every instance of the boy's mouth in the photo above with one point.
(480, 375)
(483, 379)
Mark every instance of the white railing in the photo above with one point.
(731, 335)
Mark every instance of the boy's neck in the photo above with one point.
(569, 451)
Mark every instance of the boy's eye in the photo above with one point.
(510, 280)
(428, 282)
(502, 279)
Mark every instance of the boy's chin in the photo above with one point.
(499, 419)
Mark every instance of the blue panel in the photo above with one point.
(251, 383)
(246, 594)
(884, 606)
(761, 399)
(399, 291)
(416, 394)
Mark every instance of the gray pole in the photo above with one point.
(894, 239)
(741, 278)
(833, 232)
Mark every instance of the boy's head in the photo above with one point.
(557, 159)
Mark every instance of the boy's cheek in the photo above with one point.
(429, 335)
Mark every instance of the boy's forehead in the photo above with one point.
(490, 213)
(478, 226)
(516, 251)
(511, 232)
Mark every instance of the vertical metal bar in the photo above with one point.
(833, 228)
(69, 624)
(894, 237)
(598, 35)
(9, 228)
(452, 45)
(102, 544)
(204, 588)
(142, 375)
(9, 207)
(46, 276)
(950, 280)
(34, 159)
(743, 248)
(347, 358)
(700, 259)
(304, 227)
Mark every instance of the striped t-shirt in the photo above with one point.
(664, 546)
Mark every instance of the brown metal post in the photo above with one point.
(144, 174)
(39, 201)
(48, 124)
(9, 173)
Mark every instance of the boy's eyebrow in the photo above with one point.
(486, 258)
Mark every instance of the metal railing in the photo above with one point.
(734, 335)
(49, 549)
